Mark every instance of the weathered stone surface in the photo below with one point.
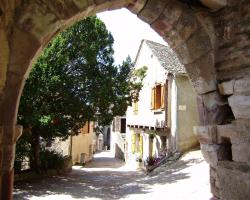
(225, 131)
(214, 4)
(34, 17)
(202, 73)
(241, 152)
(8, 143)
(227, 87)
(8, 157)
(240, 106)
(24, 48)
(190, 31)
(212, 153)
(8, 111)
(103, 5)
(214, 182)
(193, 48)
(242, 86)
(207, 23)
(152, 10)
(176, 24)
(232, 30)
(136, 6)
(213, 109)
(235, 179)
(4, 58)
(206, 134)
(238, 133)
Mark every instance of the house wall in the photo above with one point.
(84, 143)
(117, 139)
(172, 120)
(155, 74)
(187, 114)
(118, 145)
(61, 146)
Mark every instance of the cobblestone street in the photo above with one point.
(108, 178)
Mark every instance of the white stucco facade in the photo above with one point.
(156, 74)
(171, 124)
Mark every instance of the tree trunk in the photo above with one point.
(35, 162)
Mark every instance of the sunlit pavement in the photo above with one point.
(108, 178)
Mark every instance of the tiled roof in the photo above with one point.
(166, 56)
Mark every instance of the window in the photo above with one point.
(86, 128)
(123, 125)
(158, 97)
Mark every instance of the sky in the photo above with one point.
(128, 31)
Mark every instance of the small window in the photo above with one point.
(158, 97)
(86, 128)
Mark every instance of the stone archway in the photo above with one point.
(203, 40)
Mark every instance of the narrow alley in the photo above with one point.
(108, 178)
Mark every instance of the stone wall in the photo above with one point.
(211, 40)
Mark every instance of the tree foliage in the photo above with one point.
(75, 80)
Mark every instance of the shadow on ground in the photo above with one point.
(102, 184)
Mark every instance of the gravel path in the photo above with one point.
(108, 178)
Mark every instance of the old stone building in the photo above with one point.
(211, 39)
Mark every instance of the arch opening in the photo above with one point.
(190, 34)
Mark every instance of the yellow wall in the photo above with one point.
(187, 114)
(82, 143)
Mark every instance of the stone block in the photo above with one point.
(197, 45)
(152, 10)
(24, 47)
(240, 105)
(225, 131)
(83, 4)
(227, 87)
(136, 6)
(241, 152)
(213, 109)
(242, 86)
(214, 4)
(176, 24)
(206, 134)
(212, 153)
(235, 179)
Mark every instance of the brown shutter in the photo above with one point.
(153, 98)
(163, 96)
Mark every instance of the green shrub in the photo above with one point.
(23, 149)
(51, 159)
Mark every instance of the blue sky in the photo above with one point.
(128, 31)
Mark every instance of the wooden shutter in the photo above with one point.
(133, 142)
(135, 107)
(163, 94)
(141, 146)
(153, 98)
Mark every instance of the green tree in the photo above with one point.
(74, 81)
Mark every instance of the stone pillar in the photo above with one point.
(8, 137)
